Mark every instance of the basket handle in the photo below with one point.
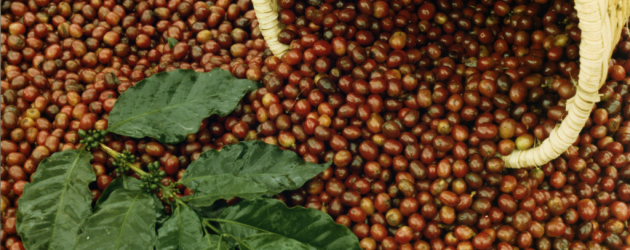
(267, 15)
(601, 22)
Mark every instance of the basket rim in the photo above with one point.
(601, 23)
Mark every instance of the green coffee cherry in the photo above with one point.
(91, 138)
(152, 180)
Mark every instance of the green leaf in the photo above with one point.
(57, 201)
(124, 181)
(271, 241)
(160, 215)
(170, 105)
(213, 211)
(126, 220)
(249, 170)
(171, 42)
(214, 242)
(131, 183)
(270, 224)
(182, 231)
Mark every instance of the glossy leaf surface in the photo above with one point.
(57, 201)
(170, 105)
(249, 170)
(270, 224)
(126, 220)
(182, 231)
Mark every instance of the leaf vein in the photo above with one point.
(157, 110)
(63, 193)
(125, 220)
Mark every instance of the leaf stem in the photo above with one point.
(221, 234)
(241, 243)
(219, 244)
(115, 154)
(205, 222)
(167, 191)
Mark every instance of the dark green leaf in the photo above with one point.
(213, 211)
(57, 201)
(271, 241)
(170, 105)
(248, 170)
(126, 220)
(214, 242)
(160, 215)
(171, 42)
(131, 183)
(182, 231)
(295, 228)
(124, 181)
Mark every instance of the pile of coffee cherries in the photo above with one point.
(411, 100)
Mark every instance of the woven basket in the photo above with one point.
(601, 22)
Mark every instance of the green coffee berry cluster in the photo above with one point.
(151, 181)
(91, 138)
(120, 163)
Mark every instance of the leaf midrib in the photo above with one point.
(219, 195)
(219, 244)
(259, 229)
(245, 225)
(238, 176)
(179, 225)
(157, 110)
(63, 194)
(133, 203)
